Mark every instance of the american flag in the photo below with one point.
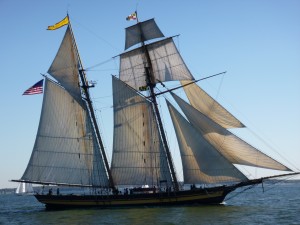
(35, 89)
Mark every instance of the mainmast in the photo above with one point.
(85, 87)
(150, 81)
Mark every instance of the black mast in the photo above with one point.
(85, 87)
(150, 81)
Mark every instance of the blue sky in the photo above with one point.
(256, 41)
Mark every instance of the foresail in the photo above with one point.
(65, 65)
(201, 162)
(230, 146)
(65, 149)
(142, 31)
(166, 62)
(210, 107)
(138, 155)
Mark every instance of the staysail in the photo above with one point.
(202, 163)
(230, 146)
(204, 103)
(138, 154)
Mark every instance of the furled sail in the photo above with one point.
(65, 149)
(230, 146)
(201, 162)
(166, 61)
(138, 155)
(210, 107)
(65, 65)
(141, 32)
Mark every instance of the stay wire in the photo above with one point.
(96, 35)
(272, 148)
(98, 64)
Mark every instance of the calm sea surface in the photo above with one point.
(279, 204)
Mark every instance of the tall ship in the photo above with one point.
(69, 150)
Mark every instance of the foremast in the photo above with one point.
(85, 89)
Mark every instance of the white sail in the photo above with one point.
(201, 162)
(230, 146)
(166, 61)
(65, 150)
(24, 189)
(138, 155)
(204, 103)
(65, 65)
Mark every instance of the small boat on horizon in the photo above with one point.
(24, 189)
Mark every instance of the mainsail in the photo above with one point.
(138, 154)
(230, 146)
(65, 150)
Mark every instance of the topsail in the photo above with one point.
(141, 32)
(165, 62)
(65, 66)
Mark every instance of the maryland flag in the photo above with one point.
(63, 22)
(132, 16)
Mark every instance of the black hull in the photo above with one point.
(214, 195)
(192, 197)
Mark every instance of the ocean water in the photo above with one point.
(277, 204)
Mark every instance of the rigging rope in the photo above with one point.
(96, 35)
(276, 181)
(245, 189)
(98, 64)
(272, 148)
